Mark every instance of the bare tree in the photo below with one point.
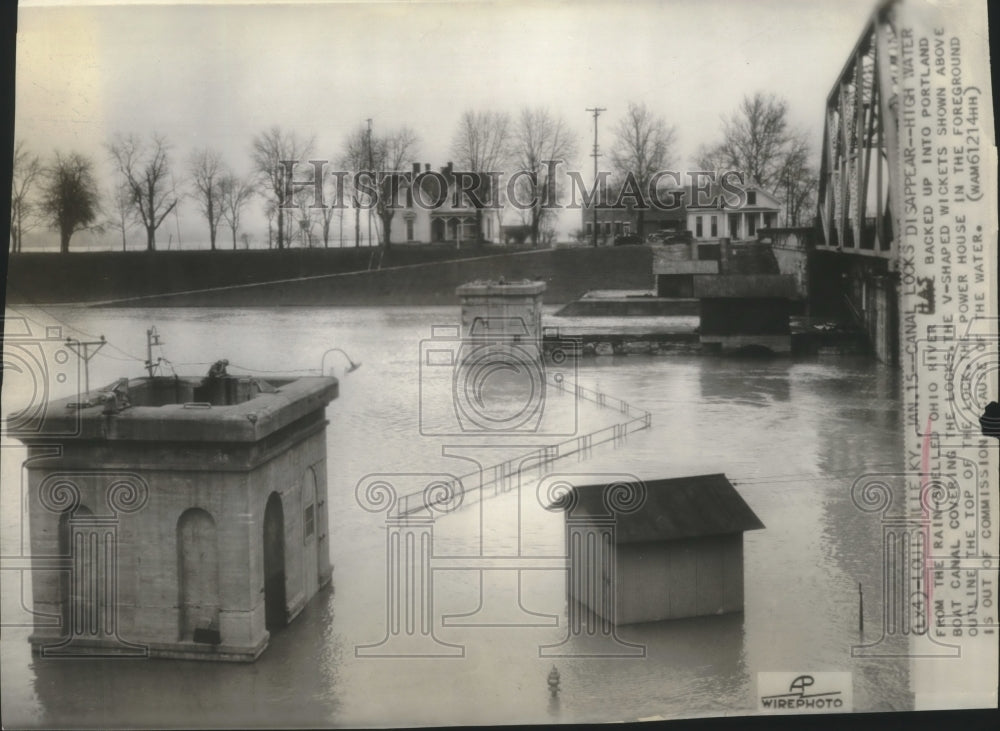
(538, 138)
(270, 211)
(356, 159)
(27, 169)
(234, 193)
(207, 172)
(123, 214)
(269, 150)
(759, 141)
(146, 169)
(330, 195)
(70, 199)
(393, 151)
(303, 218)
(482, 145)
(644, 145)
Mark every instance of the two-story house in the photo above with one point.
(431, 214)
(724, 221)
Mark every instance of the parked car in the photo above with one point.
(626, 240)
(669, 237)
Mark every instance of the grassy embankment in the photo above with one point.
(410, 275)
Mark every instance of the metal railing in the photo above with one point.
(505, 475)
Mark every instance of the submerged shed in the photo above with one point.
(679, 555)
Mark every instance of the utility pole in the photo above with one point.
(152, 338)
(371, 171)
(595, 154)
(83, 352)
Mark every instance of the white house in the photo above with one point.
(759, 211)
(430, 214)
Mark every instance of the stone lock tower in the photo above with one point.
(178, 517)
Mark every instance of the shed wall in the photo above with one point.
(685, 578)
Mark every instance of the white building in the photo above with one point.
(430, 214)
(759, 211)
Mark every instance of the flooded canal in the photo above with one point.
(792, 436)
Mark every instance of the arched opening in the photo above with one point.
(78, 587)
(275, 612)
(310, 534)
(197, 573)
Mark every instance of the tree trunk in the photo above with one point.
(387, 230)
(479, 228)
(64, 235)
(281, 227)
(234, 237)
(150, 238)
(123, 238)
(357, 226)
(211, 226)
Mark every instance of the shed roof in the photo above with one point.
(682, 507)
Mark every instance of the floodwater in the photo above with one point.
(792, 435)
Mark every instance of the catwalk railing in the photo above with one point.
(505, 475)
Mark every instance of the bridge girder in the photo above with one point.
(859, 170)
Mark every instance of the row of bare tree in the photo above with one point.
(63, 193)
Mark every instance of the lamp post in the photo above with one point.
(351, 365)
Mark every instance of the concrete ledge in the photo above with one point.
(774, 343)
(746, 285)
(687, 266)
(177, 650)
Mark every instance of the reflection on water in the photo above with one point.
(791, 435)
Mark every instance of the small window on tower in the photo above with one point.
(309, 518)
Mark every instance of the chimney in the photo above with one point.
(427, 167)
(416, 169)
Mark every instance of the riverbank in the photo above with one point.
(409, 275)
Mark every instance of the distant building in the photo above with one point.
(679, 555)
(434, 217)
(760, 211)
(613, 222)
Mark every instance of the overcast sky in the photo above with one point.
(213, 76)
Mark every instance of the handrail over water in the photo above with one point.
(501, 473)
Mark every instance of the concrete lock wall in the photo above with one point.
(503, 310)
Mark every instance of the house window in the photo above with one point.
(589, 228)
(697, 227)
(409, 230)
(618, 228)
(751, 197)
(715, 227)
(607, 228)
(628, 227)
(752, 224)
(309, 520)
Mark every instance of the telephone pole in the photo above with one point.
(595, 154)
(371, 169)
(82, 350)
